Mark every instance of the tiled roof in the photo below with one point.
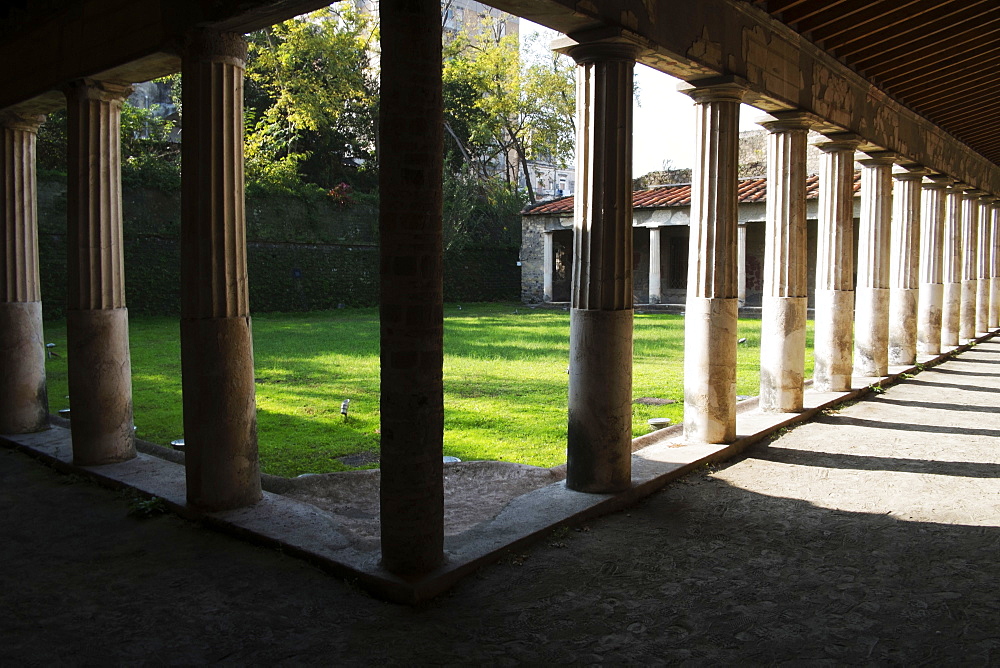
(661, 197)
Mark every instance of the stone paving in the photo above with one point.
(869, 536)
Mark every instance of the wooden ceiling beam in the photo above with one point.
(917, 95)
(798, 15)
(846, 28)
(939, 78)
(942, 48)
(908, 67)
(956, 26)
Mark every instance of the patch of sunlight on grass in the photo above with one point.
(505, 381)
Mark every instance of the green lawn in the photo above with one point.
(505, 381)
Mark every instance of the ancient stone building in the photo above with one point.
(661, 218)
(913, 91)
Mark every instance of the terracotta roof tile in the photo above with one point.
(660, 197)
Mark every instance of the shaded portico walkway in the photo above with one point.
(867, 536)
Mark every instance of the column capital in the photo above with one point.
(24, 122)
(838, 141)
(933, 184)
(206, 45)
(908, 176)
(592, 51)
(728, 88)
(788, 121)
(940, 179)
(878, 158)
(102, 91)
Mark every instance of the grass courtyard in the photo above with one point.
(504, 375)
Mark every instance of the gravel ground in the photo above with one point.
(869, 536)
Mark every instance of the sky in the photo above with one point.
(662, 120)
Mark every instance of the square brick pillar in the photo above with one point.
(411, 271)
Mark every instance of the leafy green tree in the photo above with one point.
(312, 99)
(504, 107)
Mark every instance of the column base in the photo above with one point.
(902, 326)
(951, 314)
(871, 332)
(929, 311)
(994, 319)
(220, 413)
(982, 305)
(967, 312)
(24, 405)
(782, 354)
(833, 340)
(710, 333)
(100, 386)
(599, 438)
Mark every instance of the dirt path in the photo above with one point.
(868, 537)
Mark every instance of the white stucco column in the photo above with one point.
(655, 280)
(783, 313)
(871, 313)
(994, 320)
(834, 320)
(599, 438)
(931, 296)
(97, 346)
(710, 331)
(904, 277)
(983, 260)
(548, 265)
(970, 268)
(217, 372)
(741, 264)
(951, 263)
(23, 396)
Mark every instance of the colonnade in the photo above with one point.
(929, 264)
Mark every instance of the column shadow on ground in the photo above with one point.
(870, 463)
(965, 408)
(845, 421)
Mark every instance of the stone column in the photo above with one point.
(931, 296)
(220, 417)
(100, 370)
(952, 267)
(24, 405)
(411, 293)
(983, 260)
(548, 262)
(655, 280)
(871, 326)
(711, 311)
(741, 264)
(783, 316)
(599, 455)
(994, 320)
(834, 321)
(904, 278)
(970, 269)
